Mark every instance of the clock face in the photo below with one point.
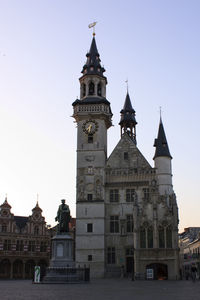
(90, 126)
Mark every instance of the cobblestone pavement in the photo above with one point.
(104, 289)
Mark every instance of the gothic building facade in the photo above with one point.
(126, 210)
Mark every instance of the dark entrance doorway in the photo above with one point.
(129, 264)
(160, 271)
(5, 268)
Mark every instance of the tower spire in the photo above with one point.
(128, 122)
(160, 143)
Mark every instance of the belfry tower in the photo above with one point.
(93, 114)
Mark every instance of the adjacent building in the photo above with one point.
(189, 242)
(126, 210)
(24, 243)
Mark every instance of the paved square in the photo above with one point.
(102, 289)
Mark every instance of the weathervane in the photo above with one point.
(92, 25)
(160, 112)
(127, 84)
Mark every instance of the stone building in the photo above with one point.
(24, 243)
(126, 210)
(189, 242)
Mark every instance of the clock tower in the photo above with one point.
(92, 114)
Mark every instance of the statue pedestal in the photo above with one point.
(62, 251)
(62, 266)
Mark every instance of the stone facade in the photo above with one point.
(126, 210)
(189, 242)
(24, 243)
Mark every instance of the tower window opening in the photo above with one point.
(89, 257)
(89, 227)
(91, 88)
(83, 90)
(90, 138)
(99, 89)
(89, 197)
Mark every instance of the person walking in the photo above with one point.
(193, 272)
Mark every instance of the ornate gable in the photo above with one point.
(127, 155)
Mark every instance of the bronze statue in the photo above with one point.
(63, 217)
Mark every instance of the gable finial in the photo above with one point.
(92, 25)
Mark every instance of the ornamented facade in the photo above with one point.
(126, 210)
(24, 243)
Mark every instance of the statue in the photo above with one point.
(63, 217)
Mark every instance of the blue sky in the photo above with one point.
(155, 44)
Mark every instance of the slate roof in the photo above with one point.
(93, 63)
(160, 143)
(91, 100)
(20, 221)
(127, 113)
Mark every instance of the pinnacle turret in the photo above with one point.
(128, 122)
(160, 143)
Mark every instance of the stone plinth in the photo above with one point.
(62, 266)
(62, 251)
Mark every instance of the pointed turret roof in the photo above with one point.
(127, 113)
(160, 143)
(93, 63)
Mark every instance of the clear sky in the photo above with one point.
(155, 44)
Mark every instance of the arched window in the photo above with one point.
(142, 237)
(91, 88)
(99, 89)
(169, 237)
(150, 237)
(161, 234)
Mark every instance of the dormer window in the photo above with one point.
(99, 89)
(91, 88)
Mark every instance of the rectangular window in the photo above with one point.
(89, 197)
(89, 227)
(129, 223)
(7, 245)
(146, 193)
(31, 246)
(89, 257)
(114, 195)
(130, 195)
(19, 245)
(43, 246)
(125, 155)
(90, 138)
(4, 228)
(114, 224)
(90, 170)
(111, 255)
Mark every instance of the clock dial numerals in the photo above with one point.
(90, 126)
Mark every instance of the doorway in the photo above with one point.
(160, 271)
